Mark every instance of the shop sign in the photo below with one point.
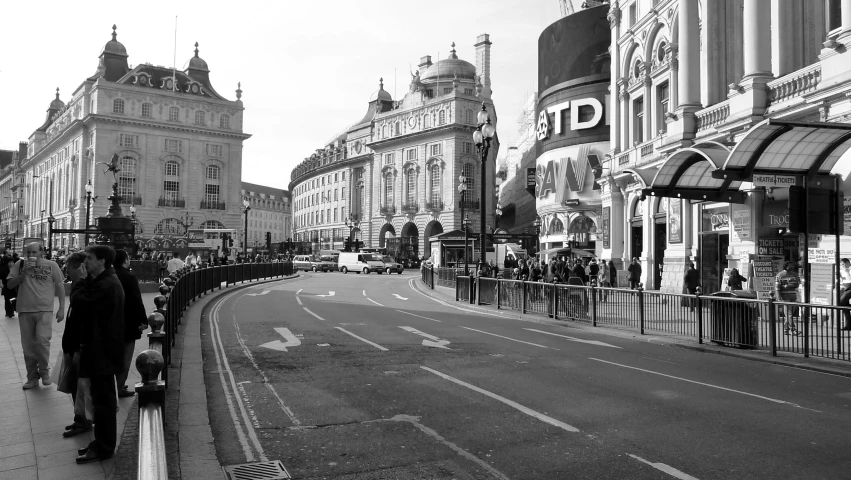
(675, 223)
(821, 255)
(846, 213)
(556, 173)
(742, 222)
(775, 214)
(770, 246)
(761, 180)
(543, 127)
(531, 180)
(607, 213)
(720, 221)
(763, 276)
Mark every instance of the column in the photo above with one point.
(689, 57)
(846, 18)
(757, 30)
(673, 59)
(615, 54)
(623, 96)
(649, 101)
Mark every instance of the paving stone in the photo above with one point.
(17, 461)
(26, 473)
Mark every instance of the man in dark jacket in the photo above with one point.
(80, 387)
(579, 271)
(8, 293)
(101, 345)
(135, 320)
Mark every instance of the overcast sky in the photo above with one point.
(307, 68)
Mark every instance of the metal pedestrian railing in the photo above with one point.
(428, 276)
(177, 291)
(728, 318)
(446, 276)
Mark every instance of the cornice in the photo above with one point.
(408, 137)
(89, 119)
(368, 157)
(153, 91)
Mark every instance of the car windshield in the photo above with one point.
(327, 259)
(370, 257)
(388, 259)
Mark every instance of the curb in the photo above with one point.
(839, 370)
(190, 435)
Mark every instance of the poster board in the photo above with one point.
(675, 224)
(763, 276)
(821, 283)
(605, 225)
(725, 280)
(623, 279)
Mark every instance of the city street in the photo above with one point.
(363, 377)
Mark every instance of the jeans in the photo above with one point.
(844, 298)
(105, 403)
(36, 332)
(121, 378)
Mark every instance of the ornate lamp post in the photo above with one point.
(466, 226)
(482, 137)
(89, 189)
(50, 220)
(246, 207)
(133, 233)
(353, 222)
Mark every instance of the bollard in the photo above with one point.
(156, 337)
(641, 308)
(594, 306)
(699, 307)
(522, 296)
(149, 364)
(555, 301)
(498, 283)
(772, 325)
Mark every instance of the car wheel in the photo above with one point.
(400, 271)
(314, 269)
(365, 271)
(388, 271)
(344, 270)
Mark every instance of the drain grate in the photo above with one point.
(273, 470)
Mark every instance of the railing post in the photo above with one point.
(555, 301)
(478, 291)
(806, 314)
(772, 325)
(522, 296)
(498, 282)
(699, 307)
(472, 292)
(640, 309)
(594, 306)
(149, 364)
(457, 296)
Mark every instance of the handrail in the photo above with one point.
(177, 291)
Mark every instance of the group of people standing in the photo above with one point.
(105, 317)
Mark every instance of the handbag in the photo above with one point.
(56, 372)
(67, 376)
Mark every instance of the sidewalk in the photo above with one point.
(792, 360)
(32, 421)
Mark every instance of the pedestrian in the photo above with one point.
(579, 272)
(613, 274)
(736, 280)
(191, 259)
(603, 279)
(80, 387)
(691, 280)
(175, 263)
(135, 319)
(786, 284)
(593, 270)
(38, 280)
(634, 273)
(101, 345)
(8, 293)
(845, 291)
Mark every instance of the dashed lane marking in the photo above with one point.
(509, 338)
(298, 299)
(315, 315)
(590, 342)
(373, 301)
(420, 316)
(528, 411)
(361, 339)
(299, 291)
(665, 468)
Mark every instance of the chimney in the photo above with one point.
(483, 62)
(425, 62)
(22, 151)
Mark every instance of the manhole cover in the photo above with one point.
(257, 471)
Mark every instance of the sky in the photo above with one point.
(307, 68)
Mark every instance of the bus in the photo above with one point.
(211, 241)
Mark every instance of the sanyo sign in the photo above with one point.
(543, 127)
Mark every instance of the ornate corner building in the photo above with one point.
(178, 142)
(390, 180)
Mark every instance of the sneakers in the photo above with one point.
(30, 384)
(45, 379)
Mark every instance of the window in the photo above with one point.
(429, 93)
(436, 149)
(411, 187)
(172, 145)
(447, 91)
(388, 189)
(468, 91)
(388, 158)
(146, 110)
(632, 13)
(335, 194)
(427, 121)
(171, 190)
(214, 150)
(471, 119)
(173, 114)
(212, 172)
(224, 121)
(199, 117)
(638, 119)
(833, 14)
(435, 183)
(343, 193)
(211, 193)
(398, 128)
(412, 154)
(469, 178)
(343, 212)
(344, 176)
(127, 179)
(118, 106)
(335, 177)
(172, 169)
(126, 140)
(335, 214)
(468, 147)
(323, 180)
(662, 95)
(441, 117)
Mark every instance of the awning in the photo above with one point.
(567, 251)
(688, 174)
(643, 175)
(787, 148)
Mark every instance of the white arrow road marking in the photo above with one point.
(399, 296)
(420, 316)
(291, 341)
(299, 291)
(258, 294)
(364, 293)
(298, 299)
(330, 294)
(432, 340)
(528, 411)
(508, 338)
(591, 342)
(361, 339)
(665, 468)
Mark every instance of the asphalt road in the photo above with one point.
(373, 380)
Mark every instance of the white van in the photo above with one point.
(360, 262)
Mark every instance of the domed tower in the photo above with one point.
(113, 59)
(198, 69)
(443, 73)
(55, 106)
(380, 101)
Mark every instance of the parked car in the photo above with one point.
(392, 265)
(330, 262)
(361, 262)
(308, 263)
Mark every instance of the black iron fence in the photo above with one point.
(428, 276)
(728, 318)
(178, 290)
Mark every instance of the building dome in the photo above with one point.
(449, 68)
(113, 46)
(380, 94)
(196, 62)
(57, 104)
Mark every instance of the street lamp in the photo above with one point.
(466, 225)
(537, 224)
(246, 207)
(133, 233)
(498, 213)
(41, 226)
(89, 189)
(50, 220)
(353, 222)
(482, 137)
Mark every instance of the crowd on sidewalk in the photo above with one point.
(105, 317)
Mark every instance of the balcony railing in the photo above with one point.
(131, 200)
(410, 208)
(794, 84)
(172, 202)
(212, 205)
(436, 205)
(712, 116)
(388, 210)
(470, 204)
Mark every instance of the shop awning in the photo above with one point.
(643, 175)
(688, 174)
(777, 147)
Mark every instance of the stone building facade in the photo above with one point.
(270, 212)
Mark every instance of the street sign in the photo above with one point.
(531, 179)
(571, 202)
(767, 180)
(509, 236)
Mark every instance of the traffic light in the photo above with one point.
(230, 241)
(268, 240)
(358, 245)
(347, 245)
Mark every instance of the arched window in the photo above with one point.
(388, 189)
(435, 184)
(118, 106)
(127, 179)
(384, 131)
(441, 117)
(173, 114)
(556, 227)
(411, 187)
(468, 170)
(224, 121)
(212, 224)
(169, 226)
